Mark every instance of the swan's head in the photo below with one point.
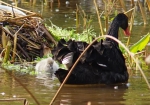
(123, 23)
(50, 60)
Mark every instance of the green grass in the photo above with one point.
(58, 33)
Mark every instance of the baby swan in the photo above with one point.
(46, 68)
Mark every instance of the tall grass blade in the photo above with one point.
(15, 44)
(77, 17)
(7, 52)
(4, 39)
(123, 5)
(131, 24)
(98, 16)
(148, 4)
(142, 12)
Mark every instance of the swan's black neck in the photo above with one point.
(113, 30)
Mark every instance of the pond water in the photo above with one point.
(135, 92)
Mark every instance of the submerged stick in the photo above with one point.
(104, 36)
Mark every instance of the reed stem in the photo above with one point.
(77, 17)
(15, 43)
(99, 19)
(131, 24)
(142, 12)
(7, 52)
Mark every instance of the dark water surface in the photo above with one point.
(135, 92)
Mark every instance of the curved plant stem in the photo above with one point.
(85, 51)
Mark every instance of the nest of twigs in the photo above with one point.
(24, 36)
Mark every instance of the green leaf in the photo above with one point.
(141, 44)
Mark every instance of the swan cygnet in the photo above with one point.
(46, 68)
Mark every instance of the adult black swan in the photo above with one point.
(103, 63)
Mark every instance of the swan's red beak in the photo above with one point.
(127, 32)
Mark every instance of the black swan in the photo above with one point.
(103, 62)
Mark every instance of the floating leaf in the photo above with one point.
(141, 44)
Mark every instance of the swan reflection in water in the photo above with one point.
(98, 95)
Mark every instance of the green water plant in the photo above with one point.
(138, 51)
(58, 33)
(141, 44)
(25, 67)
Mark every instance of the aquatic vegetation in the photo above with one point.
(87, 35)
(139, 51)
(141, 44)
(24, 68)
